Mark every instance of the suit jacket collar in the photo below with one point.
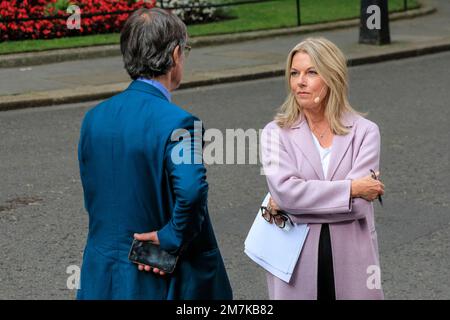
(302, 137)
(147, 88)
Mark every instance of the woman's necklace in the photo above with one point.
(322, 134)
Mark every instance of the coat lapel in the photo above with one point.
(340, 145)
(303, 139)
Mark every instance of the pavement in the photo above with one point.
(85, 74)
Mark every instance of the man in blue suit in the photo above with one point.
(129, 151)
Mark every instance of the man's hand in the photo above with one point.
(153, 237)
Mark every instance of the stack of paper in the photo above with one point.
(276, 250)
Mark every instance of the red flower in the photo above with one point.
(105, 22)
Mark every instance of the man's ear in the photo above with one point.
(176, 55)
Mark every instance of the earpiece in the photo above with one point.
(317, 99)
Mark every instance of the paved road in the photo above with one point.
(43, 224)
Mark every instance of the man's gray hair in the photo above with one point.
(147, 42)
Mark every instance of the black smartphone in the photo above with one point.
(150, 254)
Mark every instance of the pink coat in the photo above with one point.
(299, 187)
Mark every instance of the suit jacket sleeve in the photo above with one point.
(318, 201)
(187, 174)
(81, 156)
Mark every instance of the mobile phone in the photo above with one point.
(150, 254)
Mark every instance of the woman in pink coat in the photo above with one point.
(319, 171)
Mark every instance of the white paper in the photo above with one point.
(277, 273)
(276, 250)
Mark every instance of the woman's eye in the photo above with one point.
(312, 72)
(294, 73)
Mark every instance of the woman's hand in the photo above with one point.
(273, 205)
(367, 188)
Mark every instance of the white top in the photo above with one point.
(324, 155)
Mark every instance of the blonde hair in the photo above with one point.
(331, 66)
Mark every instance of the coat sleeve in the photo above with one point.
(318, 201)
(183, 160)
(82, 157)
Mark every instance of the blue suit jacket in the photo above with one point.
(132, 185)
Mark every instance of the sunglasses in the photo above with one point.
(279, 218)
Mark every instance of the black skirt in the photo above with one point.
(325, 275)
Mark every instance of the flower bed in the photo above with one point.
(199, 13)
(55, 28)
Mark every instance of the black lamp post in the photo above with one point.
(374, 22)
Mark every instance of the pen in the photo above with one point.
(374, 176)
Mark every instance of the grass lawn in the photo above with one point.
(261, 16)
(282, 13)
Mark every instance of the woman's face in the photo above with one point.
(306, 84)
